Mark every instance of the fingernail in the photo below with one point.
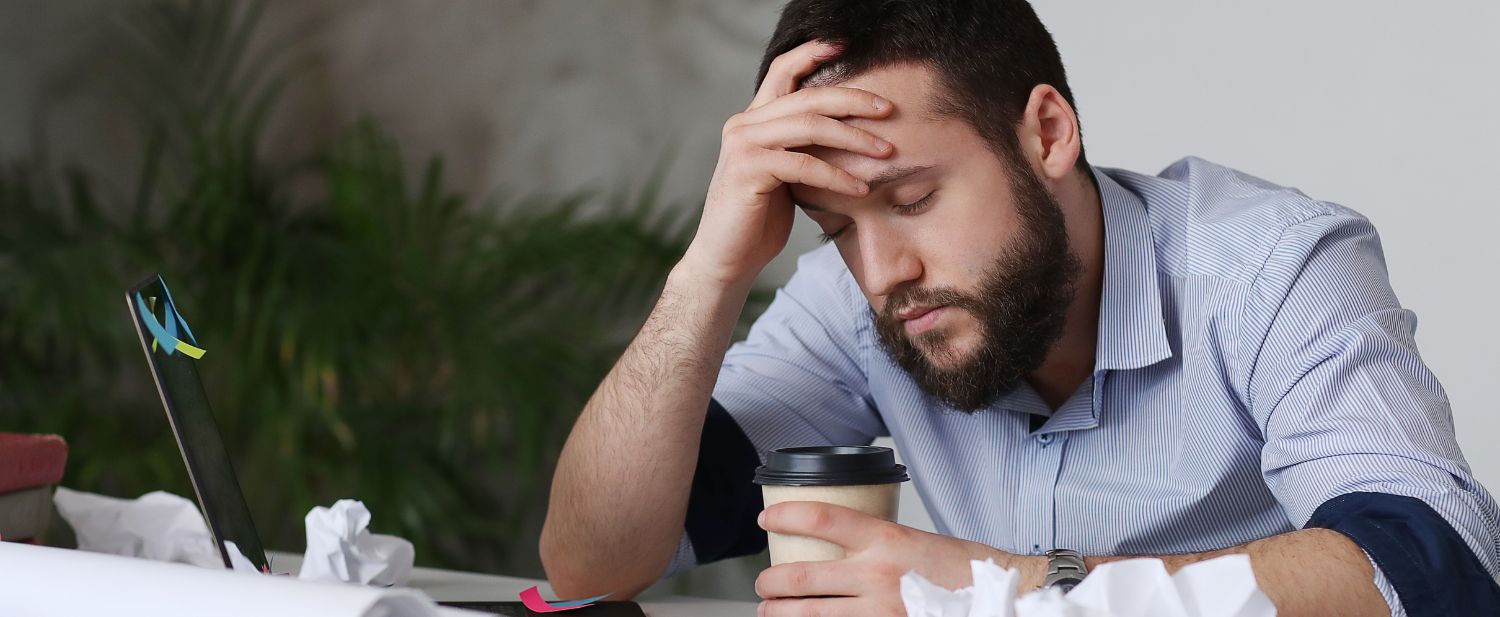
(880, 104)
(882, 145)
(761, 520)
(760, 609)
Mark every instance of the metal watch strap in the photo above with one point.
(1065, 569)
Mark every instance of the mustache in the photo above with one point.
(905, 297)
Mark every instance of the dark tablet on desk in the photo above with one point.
(516, 609)
(164, 336)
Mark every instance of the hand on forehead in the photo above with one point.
(919, 138)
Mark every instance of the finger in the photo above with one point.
(802, 168)
(789, 68)
(807, 578)
(843, 526)
(813, 130)
(822, 607)
(831, 101)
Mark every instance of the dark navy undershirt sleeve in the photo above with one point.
(724, 503)
(1429, 565)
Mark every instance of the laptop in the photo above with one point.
(173, 352)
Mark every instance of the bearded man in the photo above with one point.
(1186, 365)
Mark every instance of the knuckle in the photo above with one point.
(820, 519)
(733, 123)
(781, 63)
(799, 578)
(740, 152)
(889, 572)
(804, 166)
(734, 134)
(809, 121)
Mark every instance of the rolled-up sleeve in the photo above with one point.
(1344, 401)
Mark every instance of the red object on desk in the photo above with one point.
(29, 461)
(29, 466)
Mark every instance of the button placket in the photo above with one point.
(1041, 492)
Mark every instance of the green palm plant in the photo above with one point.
(384, 339)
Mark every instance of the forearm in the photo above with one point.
(1307, 572)
(619, 495)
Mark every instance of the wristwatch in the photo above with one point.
(1065, 569)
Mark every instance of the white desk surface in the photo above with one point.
(454, 586)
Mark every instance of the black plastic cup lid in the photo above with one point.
(830, 466)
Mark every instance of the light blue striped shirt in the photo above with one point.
(1252, 363)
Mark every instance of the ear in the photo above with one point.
(1048, 133)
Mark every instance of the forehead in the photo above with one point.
(921, 135)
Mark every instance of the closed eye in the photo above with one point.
(902, 209)
(913, 207)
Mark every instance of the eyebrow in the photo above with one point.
(885, 176)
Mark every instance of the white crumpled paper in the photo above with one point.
(341, 548)
(166, 527)
(1221, 587)
(992, 594)
(158, 526)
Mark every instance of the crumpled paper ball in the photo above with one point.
(341, 548)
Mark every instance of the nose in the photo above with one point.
(886, 259)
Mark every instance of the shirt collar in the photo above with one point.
(1132, 333)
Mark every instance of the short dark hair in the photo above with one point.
(987, 54)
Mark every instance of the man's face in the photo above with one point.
(963, 256)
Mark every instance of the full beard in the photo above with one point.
(1020, 306)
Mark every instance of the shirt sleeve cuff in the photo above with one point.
(1423, 566)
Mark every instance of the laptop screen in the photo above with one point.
(171, 349)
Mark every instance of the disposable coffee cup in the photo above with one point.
(865, 478)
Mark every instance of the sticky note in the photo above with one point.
(534, 602)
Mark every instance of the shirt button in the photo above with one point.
(1044, 438)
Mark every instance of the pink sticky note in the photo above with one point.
(534, 602)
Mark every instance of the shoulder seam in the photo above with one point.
(1253, 293)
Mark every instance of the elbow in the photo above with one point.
(574, 573)
(564, 574)
(572, 584)
(588, 589)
